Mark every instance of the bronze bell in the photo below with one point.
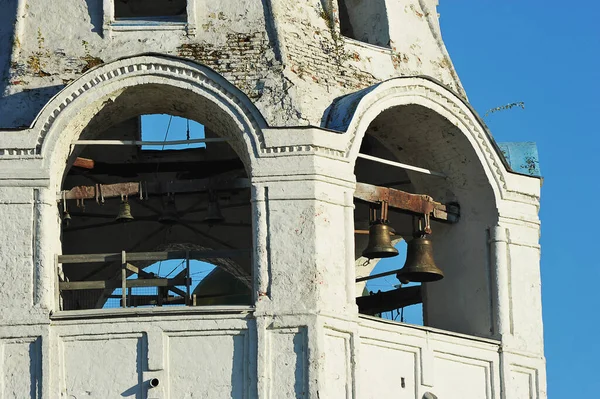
(419, 266)
(66, 218)
(124, 212)
(213, 214)
(380, 242)
(169, 214)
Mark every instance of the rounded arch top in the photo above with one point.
(355, 112)
(65, 116)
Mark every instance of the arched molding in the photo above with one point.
(355, 112)
(62, 119)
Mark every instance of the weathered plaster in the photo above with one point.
(258, 74)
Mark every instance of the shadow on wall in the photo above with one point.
(18, 110)
(7, 29)
(94, 8)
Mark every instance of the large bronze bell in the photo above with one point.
(124, 214)
(380, 242)
(419, 265)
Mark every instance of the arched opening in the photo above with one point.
(377, 282)
(418, 136)
(155, 205)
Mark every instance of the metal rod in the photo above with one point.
(374, 276)
(123, 279)
(402, 165)
(140, 142)
(187, 278)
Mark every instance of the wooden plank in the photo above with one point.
(145, 300)
(89, 258)
(147, 275)
(150, 256)
(389, 300)
(132, 268)
(84, 163)
(110, 284)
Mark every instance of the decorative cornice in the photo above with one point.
(140, 67)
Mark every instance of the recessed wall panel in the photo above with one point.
(104, 366)
(21, 368)
(337, 359)
(387, 371)
(209, 365)
(462, 378)
(288, 355)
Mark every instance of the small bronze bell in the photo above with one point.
(66, 218)
(124, 212)
(380, 242)
(419, 265)
(213, 214)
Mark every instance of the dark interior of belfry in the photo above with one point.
(166, 222)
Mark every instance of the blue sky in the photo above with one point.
(546, 54)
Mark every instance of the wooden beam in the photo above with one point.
(110, 284)
(389, 300)
(151, 256)
(132, 268)
(84, 163)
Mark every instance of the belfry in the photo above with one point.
(194, 195)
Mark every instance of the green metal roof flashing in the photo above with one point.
(522, 157)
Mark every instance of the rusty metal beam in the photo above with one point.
(419, 204)
(151, 188)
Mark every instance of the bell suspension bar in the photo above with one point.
(418, 204)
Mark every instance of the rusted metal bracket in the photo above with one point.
(418, 204)
(132, 188)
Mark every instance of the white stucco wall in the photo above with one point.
(277, 67)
